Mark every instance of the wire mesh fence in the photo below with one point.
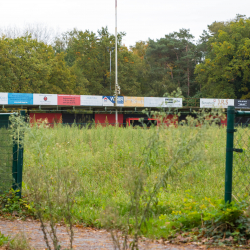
(6, 154)
(11, 157)
(241, 160)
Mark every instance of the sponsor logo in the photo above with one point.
(112, 99)
(207, 102)
(171, 100)
(45, 98)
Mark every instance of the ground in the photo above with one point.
(85, 238)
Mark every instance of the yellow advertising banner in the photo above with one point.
(130, 101)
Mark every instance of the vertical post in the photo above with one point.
(229, 153)
(17, 167)
(116, 66)
(14, 166)
(110, 71)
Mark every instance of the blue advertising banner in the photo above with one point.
(18, 98)
(110, 101)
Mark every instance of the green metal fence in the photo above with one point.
(237, 184)
(11, 157)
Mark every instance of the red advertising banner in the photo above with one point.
(72, 100)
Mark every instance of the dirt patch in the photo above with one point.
(84, 238)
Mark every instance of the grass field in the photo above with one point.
(120, 174)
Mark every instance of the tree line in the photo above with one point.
(78, 62)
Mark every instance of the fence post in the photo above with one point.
(229, 153)
(17, 169)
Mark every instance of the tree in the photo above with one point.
(88, 53)
(29, 66)
(225, 70)
(172, 61)
(142, 67)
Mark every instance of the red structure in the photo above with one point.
(140, 121)
(109, 119)
(168, 120)
(47, 118)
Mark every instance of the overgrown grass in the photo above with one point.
(105, 159)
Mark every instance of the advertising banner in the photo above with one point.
(173, 102)
(120, 101)
(154, 102)
(69, 100)
(3, 98)
(242, 104)
(130, 101)
(110, 101)
(18, 98)
(91, 100)
(216, 103)
(44, 99)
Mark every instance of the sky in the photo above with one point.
(140, 19)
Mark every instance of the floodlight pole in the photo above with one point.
(110, 70)
(116, 66)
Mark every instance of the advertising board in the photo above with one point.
(154, 101)
(242, 104)
(3, 98)
(120, 101)
(44, 99)
(69, 100)
(216, 103)
(110, 101)
(173, 102)
(91, 100)
(130, 101)
(18, 98)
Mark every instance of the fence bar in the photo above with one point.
(14, 166)
(242, 113)
(229, 153)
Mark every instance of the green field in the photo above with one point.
(124, 176)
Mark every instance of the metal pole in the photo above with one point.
(17, 167)
(229, 153)
(116, 65)
(110, 72)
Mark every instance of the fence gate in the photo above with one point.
(11, 157)
(237, 179)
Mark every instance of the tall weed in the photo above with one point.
(127, 178)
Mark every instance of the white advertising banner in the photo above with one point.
(173, 102)
(44, 99)
(3, 98)
(216, 103)
(91, 100)
(154, 102)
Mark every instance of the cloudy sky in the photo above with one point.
(140, 19)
